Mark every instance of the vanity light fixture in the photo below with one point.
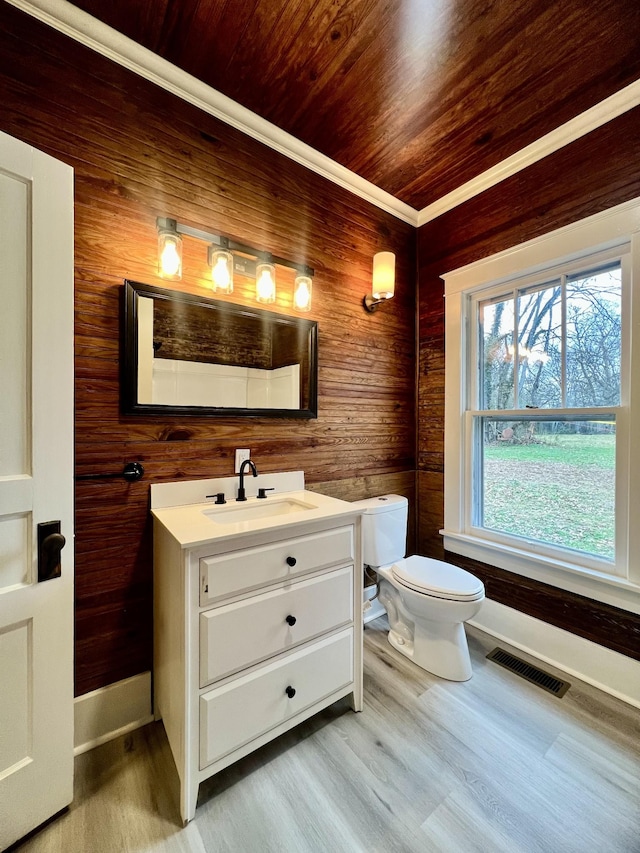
(302, 288)
(383, 281)
(169, 250)
(226, 256)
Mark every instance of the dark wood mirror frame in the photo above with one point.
(253, 327)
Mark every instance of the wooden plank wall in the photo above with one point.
(197, 334)
(584, 178)
(139, 153)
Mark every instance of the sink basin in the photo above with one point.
(263, 509)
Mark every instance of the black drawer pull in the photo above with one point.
(291, 620)
(290, 691)
(291, 561)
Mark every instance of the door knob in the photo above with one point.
(50, 544)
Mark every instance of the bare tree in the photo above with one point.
(567, 334)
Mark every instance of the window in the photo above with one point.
(553, 346)
(538, 412)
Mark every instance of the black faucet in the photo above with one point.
(241, 493)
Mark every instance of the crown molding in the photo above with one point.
(87, 30)
(612, 107)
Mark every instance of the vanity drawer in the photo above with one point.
(238, 635)
(242, 710)
(254, 567)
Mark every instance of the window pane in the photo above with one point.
(549, 481)
(496, 335)
(540, 347)
(593, 338)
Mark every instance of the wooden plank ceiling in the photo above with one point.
(416, 96)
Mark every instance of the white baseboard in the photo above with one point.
(119, 708)
(111, 711)
(603, 668)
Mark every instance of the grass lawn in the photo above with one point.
(558, 490)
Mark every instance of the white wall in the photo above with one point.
(191, 383)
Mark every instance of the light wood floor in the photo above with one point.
(494, 765)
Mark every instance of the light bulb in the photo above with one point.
(170, 259)
(302, 293)
(169, 255)
(221, 270)
(265, 283)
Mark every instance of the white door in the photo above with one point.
(36, 486)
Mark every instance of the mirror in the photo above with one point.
(190, 355)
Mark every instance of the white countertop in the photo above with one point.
(191, 524)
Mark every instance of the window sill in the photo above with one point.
(616, 591)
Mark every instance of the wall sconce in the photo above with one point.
(224, 262)
(169, 250)
(383, 281)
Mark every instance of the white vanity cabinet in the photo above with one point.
(254, 632)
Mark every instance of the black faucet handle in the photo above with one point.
(262, 493)
(219, 497)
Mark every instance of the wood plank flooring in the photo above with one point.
(494, 765)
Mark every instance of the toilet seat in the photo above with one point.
(437, 579)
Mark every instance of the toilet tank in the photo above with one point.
(384, 529)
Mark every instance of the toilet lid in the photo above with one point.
(441, 580)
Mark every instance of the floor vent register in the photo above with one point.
(530, 673)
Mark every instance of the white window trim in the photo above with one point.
(617, 228)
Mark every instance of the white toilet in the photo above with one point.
(426, 600)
